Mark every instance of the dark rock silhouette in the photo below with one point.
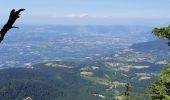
(14, 15)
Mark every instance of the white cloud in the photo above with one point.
(86, 15)
(81, 15)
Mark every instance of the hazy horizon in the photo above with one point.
(86, 12)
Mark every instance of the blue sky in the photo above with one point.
(87, 12)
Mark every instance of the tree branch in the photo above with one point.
(14, 15)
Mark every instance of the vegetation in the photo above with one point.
(47, 83)
(161, 88)
(127, 86)
(64, 83)
(162, 33)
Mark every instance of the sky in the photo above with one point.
(89, 12)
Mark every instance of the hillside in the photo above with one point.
(44, 83)
(156, 45)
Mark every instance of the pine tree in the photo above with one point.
(127, 93)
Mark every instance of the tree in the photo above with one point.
(160, 90)
(162, 33)
(127, 94)
(14, 15)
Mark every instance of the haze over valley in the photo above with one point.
(32, 44)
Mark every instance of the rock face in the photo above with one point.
(27, 98)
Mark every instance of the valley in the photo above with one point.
(89, 62)
(102, 77)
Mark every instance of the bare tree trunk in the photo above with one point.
(14, 15)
